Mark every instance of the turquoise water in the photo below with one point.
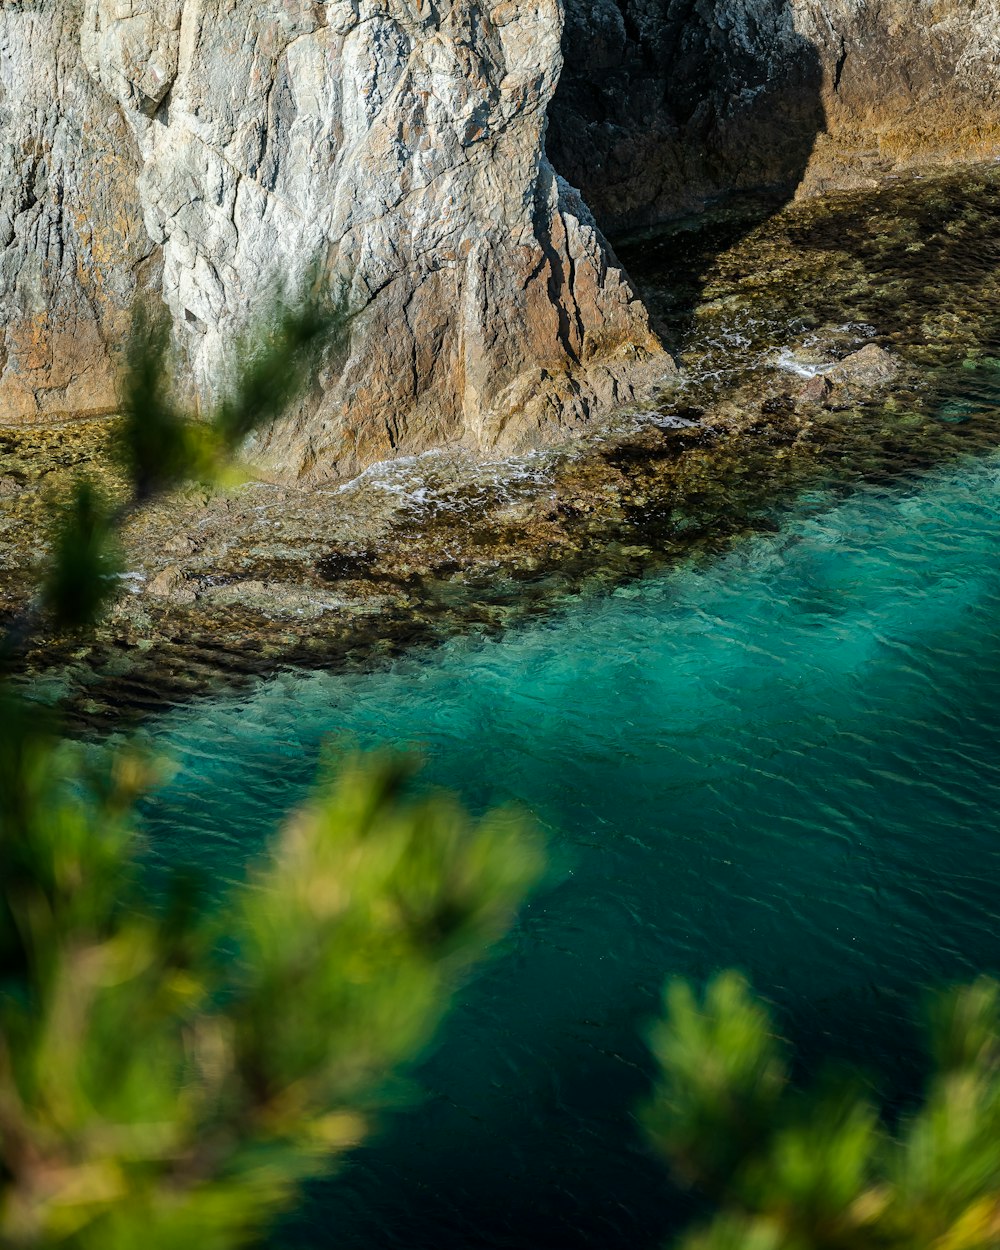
(784, 759)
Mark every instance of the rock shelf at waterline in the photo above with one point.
(849, 338)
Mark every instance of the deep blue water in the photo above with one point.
(784, 759)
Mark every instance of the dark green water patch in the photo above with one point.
(782, 758)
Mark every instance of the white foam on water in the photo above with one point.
(787, 361)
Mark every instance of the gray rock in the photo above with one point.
(201, 150)
(274, 599)
(868, 368)
(209, 148)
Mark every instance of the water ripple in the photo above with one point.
(784, 760)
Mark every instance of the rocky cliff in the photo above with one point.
(204, 151)
(73, 247)
(666, 103)
(211, 149)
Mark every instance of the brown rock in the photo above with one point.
(210, 150)
(198, 151)
(170, 584)
(74, 252)
(815, 390)
(868, 368)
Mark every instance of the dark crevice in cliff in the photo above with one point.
(664, 105)
(161, 111)
(670, 107)
(632, 29)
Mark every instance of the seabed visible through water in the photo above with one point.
(751, 691)
(751, 300)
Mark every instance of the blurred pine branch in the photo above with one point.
(171, 1073)
(821, 1169)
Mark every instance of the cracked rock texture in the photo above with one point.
(73, 248)
(203, 150)
(211, 148)
(666, 103)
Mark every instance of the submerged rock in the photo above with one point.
(870, 367)
(845, 382)
(815, 390)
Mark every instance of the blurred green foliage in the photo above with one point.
(161, 446)
(171, 1069)
(84, 559)
(170, 1074)
(822, 1169)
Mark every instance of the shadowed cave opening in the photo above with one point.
(705, 110)
(665, 105)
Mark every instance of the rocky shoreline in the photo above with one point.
(420, 162)
(818, 350)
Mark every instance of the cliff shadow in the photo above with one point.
(685, 124)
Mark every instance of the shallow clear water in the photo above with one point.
(783, 759)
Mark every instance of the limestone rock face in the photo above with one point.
(665, 103)
(206, 150)
(399, 142)
(73, 248)
(905, 83)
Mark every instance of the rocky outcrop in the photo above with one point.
(397, 141)
(905, 83)
(73, 248)
(667, 103)
(206, 150)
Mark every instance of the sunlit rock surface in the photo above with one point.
(204, 150)
(399, 142)
(73, 248)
